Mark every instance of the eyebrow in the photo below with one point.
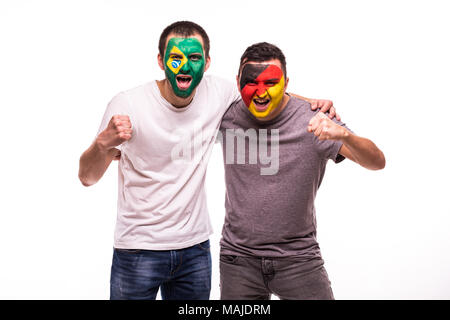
(188, 54)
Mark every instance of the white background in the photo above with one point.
(385, 64)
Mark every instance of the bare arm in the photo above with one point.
(94, 162)
(362, 151)
(358, 149)
(97, 158)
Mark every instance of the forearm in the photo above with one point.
(94, 162)
(363, 151)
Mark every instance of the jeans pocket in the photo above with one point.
(228, 258)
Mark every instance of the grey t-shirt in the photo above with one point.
(272, 171)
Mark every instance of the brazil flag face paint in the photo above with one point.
(184, 65)
(262, 88)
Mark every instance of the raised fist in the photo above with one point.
(117, 132)
(324, 128)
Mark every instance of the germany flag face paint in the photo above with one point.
(184, 65)
(262, 88)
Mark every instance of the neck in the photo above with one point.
(167, 92)
(278, 110)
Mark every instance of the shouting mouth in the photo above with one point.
(261, 104)
(183, 81)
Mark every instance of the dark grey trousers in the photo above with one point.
(254, 278)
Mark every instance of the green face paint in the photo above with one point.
(184, 65)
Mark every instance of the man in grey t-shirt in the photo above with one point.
(275, 152)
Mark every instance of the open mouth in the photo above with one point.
(261, 104)
(183, 81)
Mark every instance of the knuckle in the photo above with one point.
(125, 135)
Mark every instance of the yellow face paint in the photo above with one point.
(176, 60)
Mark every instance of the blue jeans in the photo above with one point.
(183, 274)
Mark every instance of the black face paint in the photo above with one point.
(250, 72)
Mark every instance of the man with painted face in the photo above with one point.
(268, 243)
(163, 133)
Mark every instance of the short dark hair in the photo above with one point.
(263, 51)
(184, 29)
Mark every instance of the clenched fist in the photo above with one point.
(325, 129)
(117, 132)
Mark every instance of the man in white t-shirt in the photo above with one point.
(163, 133)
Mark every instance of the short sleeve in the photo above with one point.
(229, 91)
(119, 105)
(329, 149)
(235, 95)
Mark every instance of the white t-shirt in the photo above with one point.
(161, 196)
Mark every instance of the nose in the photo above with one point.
(261, 91)
(185, 68)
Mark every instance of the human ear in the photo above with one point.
(160, 62)
(208, 62)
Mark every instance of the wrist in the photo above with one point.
(345, 135)
(100, 146)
